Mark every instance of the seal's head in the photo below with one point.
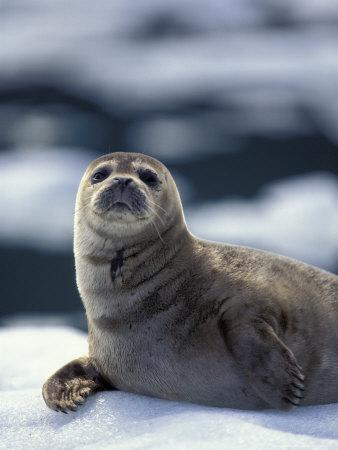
(125, 193)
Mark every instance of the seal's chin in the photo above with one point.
(120, 207)
(122, 212)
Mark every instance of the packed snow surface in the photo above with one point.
(120, 420)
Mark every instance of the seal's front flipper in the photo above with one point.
(72, 384)
(270, 366)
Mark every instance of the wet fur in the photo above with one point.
(176, 317)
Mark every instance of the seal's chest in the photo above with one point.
(128, 358)
(197, 373)
(150, 361)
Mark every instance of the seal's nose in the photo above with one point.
(123, 181)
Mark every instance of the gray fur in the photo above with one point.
(176, 317)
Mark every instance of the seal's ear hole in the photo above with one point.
(148, 177)
(99, 175)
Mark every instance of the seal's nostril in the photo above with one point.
(123, 181)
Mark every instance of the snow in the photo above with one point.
(121, 420)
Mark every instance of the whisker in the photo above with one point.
(154, 203)
(83, 206)
(153, 223)
(154, 212)
(79, 209)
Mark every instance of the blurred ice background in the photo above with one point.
(239, 98)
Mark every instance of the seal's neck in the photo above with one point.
(134, 260)
(136, 264)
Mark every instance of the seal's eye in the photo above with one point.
(100, 175)
(148, 177)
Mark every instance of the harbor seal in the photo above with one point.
(180, 318)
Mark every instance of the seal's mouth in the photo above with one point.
(120, 206)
